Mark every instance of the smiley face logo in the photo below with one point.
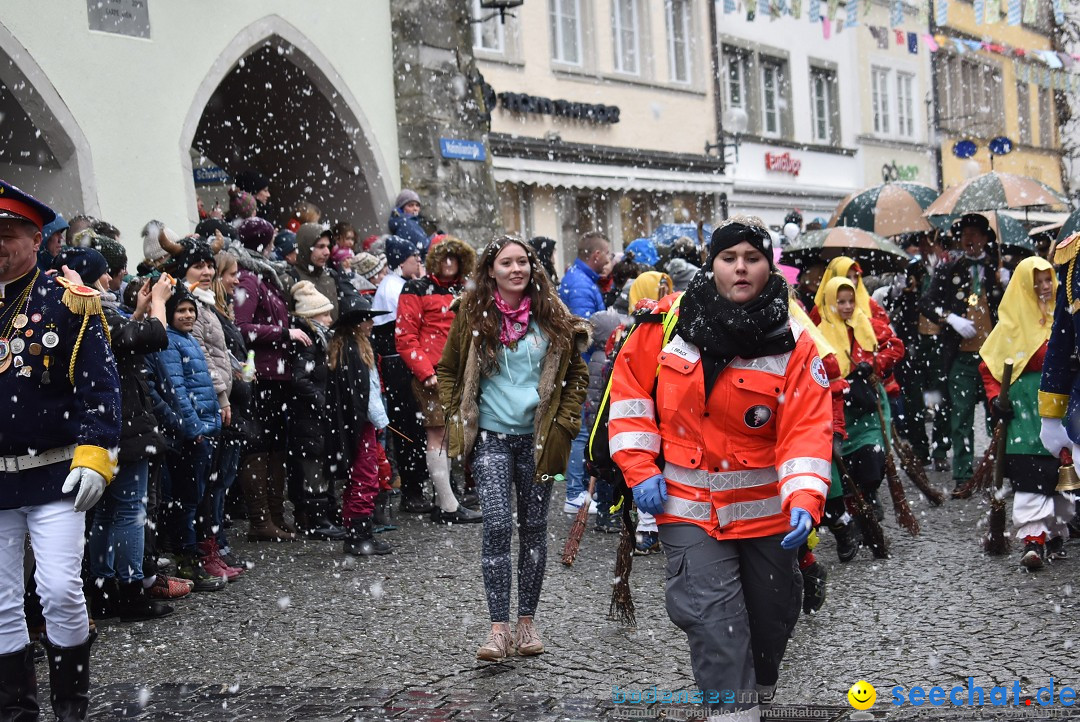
(862, 695)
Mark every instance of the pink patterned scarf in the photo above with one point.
(515, 321)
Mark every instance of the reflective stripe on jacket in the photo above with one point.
(735, 463)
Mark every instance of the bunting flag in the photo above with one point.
(1059, 13)
(729, 7)
(931, 43)
(881, 36)
(763, 7)
(958, 46)
(896, 17)
(815, 11)
(834, 7)
(852, 14)
(1015, 9)
(942, 11)
(796, 9)
(1031, 11)
(899, 34)
(980, 12)
(913, 43)
(867, 6)
(924, 13)
(993, 12)
(826, 27)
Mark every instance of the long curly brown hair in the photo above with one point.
(485, 320)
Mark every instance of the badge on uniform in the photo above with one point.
(17, 345)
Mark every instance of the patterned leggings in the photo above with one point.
(498, 461)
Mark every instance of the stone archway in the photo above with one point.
(273, 103)
(42, 148)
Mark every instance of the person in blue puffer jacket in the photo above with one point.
(405, 222)
(196, 421)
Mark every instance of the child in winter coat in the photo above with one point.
(307, 410)
(194, 419)
(356, 411)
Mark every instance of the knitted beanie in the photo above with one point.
(309, 302)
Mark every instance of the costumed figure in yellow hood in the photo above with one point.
(1024, 323)
(844, 267)
(864, 353)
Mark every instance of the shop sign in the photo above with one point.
(462, 149)
(783, 163)
(891, 172)
(122, 17)
(593, 113)
(210, 175)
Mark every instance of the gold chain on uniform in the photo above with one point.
(22, 301)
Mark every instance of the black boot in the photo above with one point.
(463, 515)
(415, 504)
(101, 598)
(361, 542)
(69, 680)
(135, 605)
(814, 577)
(18, 686)
(319, 524)
(383, 518)
(847, 546)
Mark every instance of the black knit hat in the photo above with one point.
(179, 295)
(251, 181)
(87, 262)
(196, 250)
(737, 230)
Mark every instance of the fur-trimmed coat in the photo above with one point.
(564, 379)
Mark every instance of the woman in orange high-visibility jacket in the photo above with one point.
(725, 434)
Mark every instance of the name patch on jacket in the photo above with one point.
(817, 370)
(686, 351)
(757, 416)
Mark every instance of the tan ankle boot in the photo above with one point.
(527, 639)
(497, 646)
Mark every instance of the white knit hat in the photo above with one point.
(152, 250)
(309, 302)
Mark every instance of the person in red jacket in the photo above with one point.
(737, 405)
(423, 322)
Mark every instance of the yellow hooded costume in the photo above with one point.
(1024, 323)
(835, 329)
(839, 268)
(647, 285)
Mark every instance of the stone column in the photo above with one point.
(438, 95)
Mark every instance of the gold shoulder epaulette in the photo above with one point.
(1066, 250)
(80, 300)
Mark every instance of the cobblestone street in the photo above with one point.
(309, 636)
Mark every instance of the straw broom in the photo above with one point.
(915, 470)
(622, 603)
(997, 541)
(904, 517)
(577, 529)
(983, 477)
(871, 527)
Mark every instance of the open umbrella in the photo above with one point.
(994, 191)
(874, 253)
(889, 209)
(1070, 226)
(1010, 232)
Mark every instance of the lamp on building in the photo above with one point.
(501, 5)
(734, 123)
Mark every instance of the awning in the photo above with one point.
(557, 174)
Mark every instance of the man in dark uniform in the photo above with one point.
(1059, 390)
(963, 300)
(59, 430)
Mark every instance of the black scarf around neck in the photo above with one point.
(723, 330)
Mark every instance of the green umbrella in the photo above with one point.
(994, 191)
(873, 253)
(1070, 226)
(1010, 232)
(889, 209)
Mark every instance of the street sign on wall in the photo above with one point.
(122, 17)
(462, 149)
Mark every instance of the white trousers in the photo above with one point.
(1035, 514)
(57, 537)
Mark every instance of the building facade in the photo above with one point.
(895, 88)
(981, 95)
(131, 109)
(795, 80)
(600, 114)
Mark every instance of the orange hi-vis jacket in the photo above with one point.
(736, 463)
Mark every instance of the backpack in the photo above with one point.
(597, 452)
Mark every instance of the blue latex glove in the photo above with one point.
(801, 523)
(651, 494)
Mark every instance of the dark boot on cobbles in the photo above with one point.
(320, 525)
(188, 566)
(18, 686)
(69, 680)
(383, 518)
(101, 596)
(814, 577)
(134, 603)
(361, 540)
(847, 545)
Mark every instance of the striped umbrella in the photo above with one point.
(874, 253)
(994, 191)
(890, 209)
